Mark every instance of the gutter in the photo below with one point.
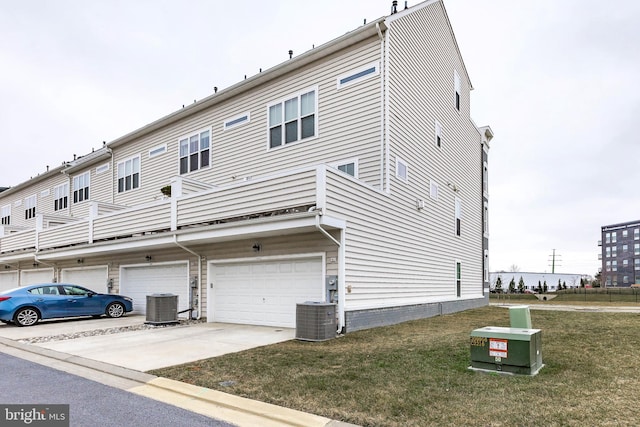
(198, 280)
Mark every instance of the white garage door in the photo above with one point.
(8, 280)
(264, 293)
(138, 282)
(32, 277)
(94, 278)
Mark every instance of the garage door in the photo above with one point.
(138, 282)
(31, 277)
(8, 280)
(94, 278)
(264, 293)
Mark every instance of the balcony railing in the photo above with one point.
(190, 205)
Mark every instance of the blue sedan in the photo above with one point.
(26, 305)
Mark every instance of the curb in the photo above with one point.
(212, 403)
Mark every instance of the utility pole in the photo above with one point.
(553, 261)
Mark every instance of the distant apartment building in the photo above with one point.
(620, 254)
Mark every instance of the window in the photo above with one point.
(636, 249)
(457, 89)
(615, 280)
(608, 251)
(614, 265)
(402, 170)
(607, 238)
(636, 264)
(438, 135)
(194, 152)
(102, 168)
(433, 190)
(625, 263)
(614, 237)
(350, 167)
(30, 207)
(486, 218)
(608, 265)
(636, 234)
(45, 193)
(458, 278)
(486, 265)
(61, 197)
(293, 119)
(614, 251)
(458, 214)
(156, 151)
(485, 178)
(625, 234)
(625, 279)
(5, 215)
(358, 75)
(129, 174)
(236, 121)
(81, 187)
(625, 248)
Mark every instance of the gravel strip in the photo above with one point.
(107, 331)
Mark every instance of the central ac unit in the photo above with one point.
(162, 309)
(315, 321)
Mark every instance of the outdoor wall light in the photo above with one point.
(257, 247)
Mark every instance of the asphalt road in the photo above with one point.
(91, 404)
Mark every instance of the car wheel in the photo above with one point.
(115, 309)
(26, 316)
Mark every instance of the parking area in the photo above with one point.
(146, 349)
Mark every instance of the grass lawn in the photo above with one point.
(415, 374)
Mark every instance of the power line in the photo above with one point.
(554, 262)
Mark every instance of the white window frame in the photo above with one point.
(457, 272)
(437, 137)
(347, 162)
(636, 248)
(102, 168)
(82, 193)
(45, 193)
(636, 234)
(123, 174)
(625, 234)
(61, 197)
(608, 265)
(457, 91)
(30, 204)
(458, 216)
(158, 151)
(614, 265)
(607, 238)
(199, 152)
(485, 219)
(614, 237)
(358, 75)
(625, 263)
(5, 215)
(485, 178)
(236, 121)
(282, 123)
(614, 251)
(636, 263)
(434, 189)
(405, 165)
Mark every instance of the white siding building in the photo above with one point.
(352, 173)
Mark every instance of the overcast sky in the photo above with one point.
(556, 81)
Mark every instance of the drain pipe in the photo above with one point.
(341, 269)
(199, 280)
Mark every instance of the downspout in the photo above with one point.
(382, 104)
(341, 270)
(386, 112)
(55, 269)
(199, 280)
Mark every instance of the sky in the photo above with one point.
(554, 80)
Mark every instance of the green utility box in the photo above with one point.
(507, 350)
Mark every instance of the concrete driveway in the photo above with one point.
(147, 349)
